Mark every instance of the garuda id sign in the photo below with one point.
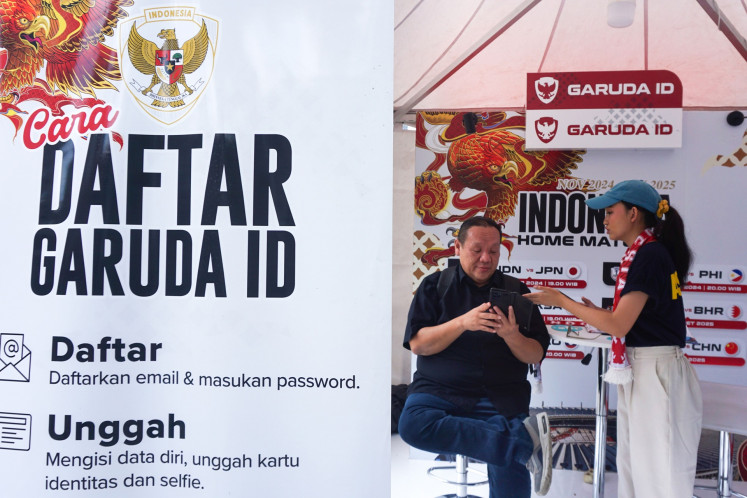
(604, 109)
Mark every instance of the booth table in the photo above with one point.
(603, 344)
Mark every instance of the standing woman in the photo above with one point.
(659, 407)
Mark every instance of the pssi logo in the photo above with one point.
(546, 89)
(546, 128)
(167, 60)
(610, 270)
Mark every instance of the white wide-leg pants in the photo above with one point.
(659, 418)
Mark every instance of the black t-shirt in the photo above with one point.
(662, 321)
(477, 364)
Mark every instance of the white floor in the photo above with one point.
(409, 480)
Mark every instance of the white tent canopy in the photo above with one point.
(475, 54)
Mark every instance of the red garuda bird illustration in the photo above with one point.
(68, 36)
(487, 156)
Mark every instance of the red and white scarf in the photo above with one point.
(619, 370)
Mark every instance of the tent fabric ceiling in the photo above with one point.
(475, 54)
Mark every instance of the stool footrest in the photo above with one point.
(482, 479)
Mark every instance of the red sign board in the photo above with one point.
(604, 109)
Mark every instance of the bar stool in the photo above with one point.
(462, 481)
(723, 411)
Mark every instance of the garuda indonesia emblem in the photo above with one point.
(178, 71)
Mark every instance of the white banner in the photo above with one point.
(196, 248)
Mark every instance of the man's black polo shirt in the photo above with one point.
(477, 364)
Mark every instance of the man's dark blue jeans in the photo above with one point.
(433, 424)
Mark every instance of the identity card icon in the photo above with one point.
(15, 358)
(15, 431)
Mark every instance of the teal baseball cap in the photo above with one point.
(636, 192)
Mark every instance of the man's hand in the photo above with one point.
(479, 318)
(506, 325)
(432, 340)
(523, 348)
(486, 318)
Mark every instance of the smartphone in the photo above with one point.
(502, 299)
(522, 306)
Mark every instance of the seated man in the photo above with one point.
(470, 393)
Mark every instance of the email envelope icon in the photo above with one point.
(18, 371)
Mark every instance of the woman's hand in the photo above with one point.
(546, 296)
(589, 304)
